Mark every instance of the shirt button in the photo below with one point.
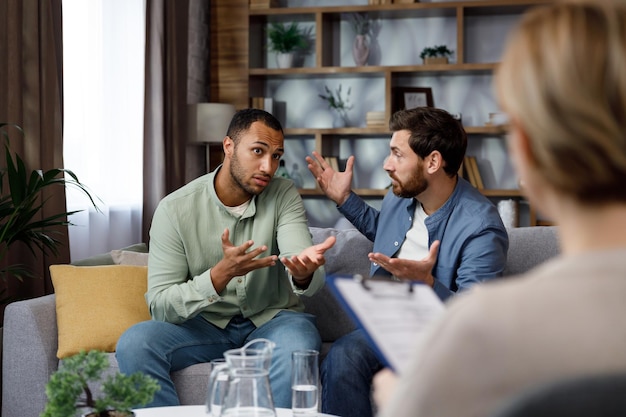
(395, 243)
(410, 218)
(239, 280)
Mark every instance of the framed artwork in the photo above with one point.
(404, 98)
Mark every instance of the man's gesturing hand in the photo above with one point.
(335, 184)
(302, 266)
(238, 261)
(407, 269)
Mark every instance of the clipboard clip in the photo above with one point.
(363, 281)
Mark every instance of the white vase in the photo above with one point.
(339, 120)
(284, 60)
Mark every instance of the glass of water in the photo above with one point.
(304, 383)
(218, 382)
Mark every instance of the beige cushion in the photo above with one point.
(126, 257)
(96, 304)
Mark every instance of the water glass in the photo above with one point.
(304, 382)
(218, 382)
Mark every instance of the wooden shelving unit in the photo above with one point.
(252, 71)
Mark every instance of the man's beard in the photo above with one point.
(237, 173)
(416, 185)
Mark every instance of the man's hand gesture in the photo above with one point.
(336, 185)
(408, 269)
(302, 266)
(238, 261)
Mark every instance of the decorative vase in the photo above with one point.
(361, 49)
(340, 119)
(284, 59)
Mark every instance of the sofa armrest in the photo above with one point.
(30, 343)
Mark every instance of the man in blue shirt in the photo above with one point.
(433, 228)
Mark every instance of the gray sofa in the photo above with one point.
(30, 328)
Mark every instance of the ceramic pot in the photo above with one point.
(433, 60)
(110, 413)
(284, 60)
(361, 49)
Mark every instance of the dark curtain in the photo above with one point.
(31, 73)
(166, 102)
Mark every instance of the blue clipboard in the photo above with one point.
(392, 314)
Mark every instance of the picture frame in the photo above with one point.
(404, 98)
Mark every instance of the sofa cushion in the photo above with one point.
(96, 304)
(347, 257)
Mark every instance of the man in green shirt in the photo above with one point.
(230, 254)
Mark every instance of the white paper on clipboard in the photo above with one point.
(393, 314)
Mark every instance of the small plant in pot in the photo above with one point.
(437, 54)
(69, 393)
(337, 103)
(286, 40)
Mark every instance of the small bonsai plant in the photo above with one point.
(69, 393)
(437, 51)
(286, 38)
(337, 102)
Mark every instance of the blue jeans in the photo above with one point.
(347, 374)
(157, 348)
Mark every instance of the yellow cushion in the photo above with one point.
(96, 304)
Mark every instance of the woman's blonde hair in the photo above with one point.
(563, 78)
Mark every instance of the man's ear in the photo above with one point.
(228, 145)
(434, 162)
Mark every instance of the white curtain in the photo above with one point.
(103, 64)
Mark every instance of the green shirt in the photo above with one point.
(185, 243)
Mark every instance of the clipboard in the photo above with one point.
(393, 314)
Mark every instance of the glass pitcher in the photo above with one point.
(248, 392)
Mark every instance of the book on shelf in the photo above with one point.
(473, 173)
(263, 103)
(263, 4)
(469, 174)
(375, 119)
(333, 162)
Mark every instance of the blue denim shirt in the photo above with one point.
(474, 241)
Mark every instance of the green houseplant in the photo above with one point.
(286, 40)
(337, 103)
(21, 203)
(437, 54)
(69, 393)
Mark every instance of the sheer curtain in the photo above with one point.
(103, 58)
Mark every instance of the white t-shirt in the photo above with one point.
(415, 245)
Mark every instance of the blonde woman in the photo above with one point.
(562, 82)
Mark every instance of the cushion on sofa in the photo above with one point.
(347, 257)
(96, 304)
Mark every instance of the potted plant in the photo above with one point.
(338, 104)
(437, 54)
(21, 203)
(69, 393)
(286, 40)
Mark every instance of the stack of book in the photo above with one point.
(263, 4)
(375, 119)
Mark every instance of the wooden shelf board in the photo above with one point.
(400, 10)
(370, 71)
